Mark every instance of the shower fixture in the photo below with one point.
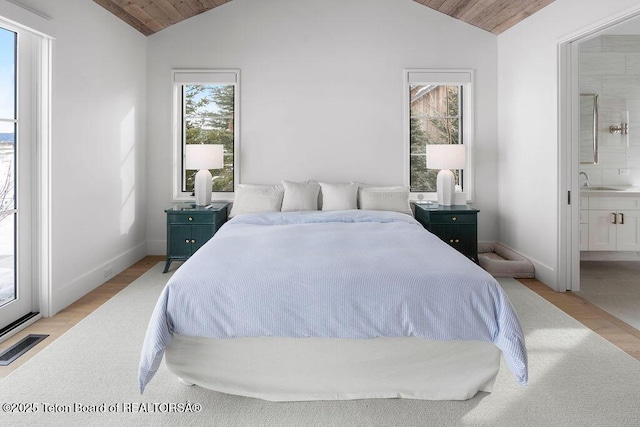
(623, 128)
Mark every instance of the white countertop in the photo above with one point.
(610, 190)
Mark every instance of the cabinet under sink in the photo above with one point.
(610, 223)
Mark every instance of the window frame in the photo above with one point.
(453, 77)
(179, 78)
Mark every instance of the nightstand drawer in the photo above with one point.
(199, 218)
(452, 218)
(459, 232)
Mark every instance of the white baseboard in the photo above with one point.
(546, 274)
(609, 256)
(75, 290)
(543, 272)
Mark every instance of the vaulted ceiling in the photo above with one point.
(151, 16)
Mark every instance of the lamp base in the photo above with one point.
(202, 187)
(446, 186)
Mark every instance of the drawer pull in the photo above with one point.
(454, 218)
(193, 241)
(622, 218)
(186, 241)
(190, 218)
(615, 218)
(454, 240)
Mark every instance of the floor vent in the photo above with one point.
(20, 348)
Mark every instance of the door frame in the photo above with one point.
(569, 148)
(42, 32)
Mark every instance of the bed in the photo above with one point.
(343, 304)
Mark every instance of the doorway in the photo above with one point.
(16, 172)
(610, 245)
(599, 69)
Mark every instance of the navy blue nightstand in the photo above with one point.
(190, 226)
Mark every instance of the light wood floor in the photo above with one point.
(619, 333)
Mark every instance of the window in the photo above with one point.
(438, 112)
(206, 113)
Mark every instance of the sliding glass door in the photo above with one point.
(16, 149)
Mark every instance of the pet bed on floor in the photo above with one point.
(501, 261)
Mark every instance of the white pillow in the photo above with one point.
(338, 197)
(385, 199)
(300, 196)
(250, 198)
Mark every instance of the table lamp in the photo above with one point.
(202, 157)
(446, 157)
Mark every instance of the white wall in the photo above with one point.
(610, 67)
(321, 91)
(528, 119)
(98, 146)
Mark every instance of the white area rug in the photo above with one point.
(576, 379)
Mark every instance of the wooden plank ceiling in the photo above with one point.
(151, 16)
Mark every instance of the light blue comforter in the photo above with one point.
(341, 274)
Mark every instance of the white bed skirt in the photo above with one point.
(300, 369)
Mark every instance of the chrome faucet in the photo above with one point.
(586, 184)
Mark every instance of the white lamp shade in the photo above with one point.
(204, 156)
(446, 156)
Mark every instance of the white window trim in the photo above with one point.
(180, 77)
(463, 77)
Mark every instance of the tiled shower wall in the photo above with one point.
(610, 68)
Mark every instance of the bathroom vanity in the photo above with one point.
(610, 218)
